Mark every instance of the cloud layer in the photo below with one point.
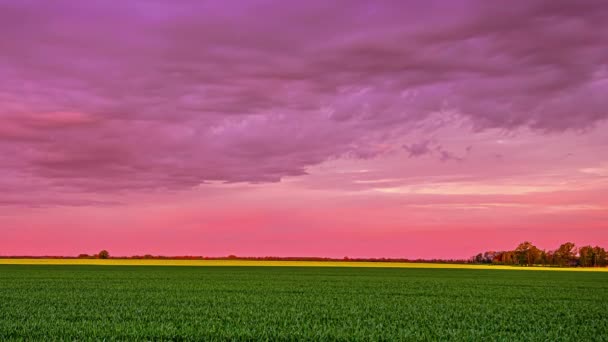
(148, 95)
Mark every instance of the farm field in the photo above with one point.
(282, 263)
(88, 302)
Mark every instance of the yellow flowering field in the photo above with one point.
(176, 262)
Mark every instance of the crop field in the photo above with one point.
(240, 262)
(89, 302)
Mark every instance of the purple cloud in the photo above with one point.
(167, 95)
(419, 149)
(432, 148)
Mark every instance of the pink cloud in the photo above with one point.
(174, 95)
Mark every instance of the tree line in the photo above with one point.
(526, 254)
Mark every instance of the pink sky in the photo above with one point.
(413, 129)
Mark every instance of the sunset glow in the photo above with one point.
(317, 128)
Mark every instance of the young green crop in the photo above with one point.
(303, 303)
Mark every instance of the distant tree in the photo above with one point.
(527, 253)
(565, 254)
(508, 258)
(103, 254)
(599, 256)
(489, 256)
(543, 258)
(232, 256)
(586, 257)
(478, 258)
(550, 256)
(83, 256)
(497, 258)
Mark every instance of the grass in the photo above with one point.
(83, 302)
(224, 262)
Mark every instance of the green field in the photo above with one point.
(42, 302)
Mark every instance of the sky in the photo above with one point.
(414, 129)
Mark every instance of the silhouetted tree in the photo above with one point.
(489, 256)
(479, 258)
(103, 254)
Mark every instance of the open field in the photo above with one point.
(49, 302)
(176, 262)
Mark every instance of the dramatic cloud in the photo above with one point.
(112, 96)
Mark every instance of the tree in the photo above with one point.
(586, 257)
(599, 256)
(478, 258)
(508, 258)
(565, 254)
(543, 257)
(550, 257)
(489, 256)
(103, 254)
(527, 253)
